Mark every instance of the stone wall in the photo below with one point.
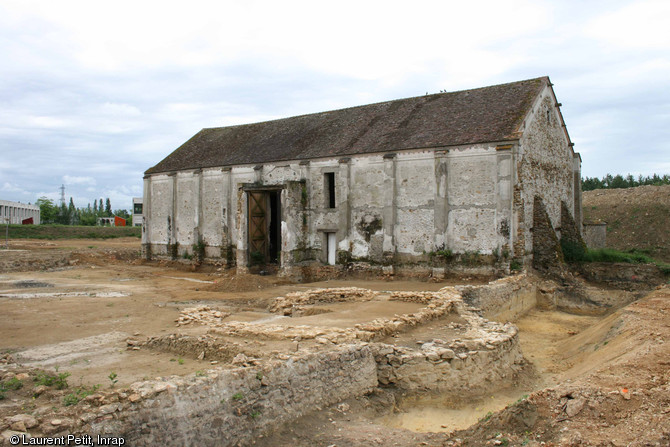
(547, 254)
(504, 299)
(545, 167)
(231, 407)
(452, 367)
(390, 209)
(595, 235)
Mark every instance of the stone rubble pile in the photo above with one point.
(202, 315)
(414, 297)
(293, 302)
(279, 332)
(203, 347)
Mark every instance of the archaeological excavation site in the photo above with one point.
(404, 273)
(98, 341)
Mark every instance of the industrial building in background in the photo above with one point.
(400, 184)
(19, 213)
(137, 212)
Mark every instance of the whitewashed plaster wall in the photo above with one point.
(394, 206)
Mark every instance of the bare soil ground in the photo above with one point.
(71, 305)
(637, 218)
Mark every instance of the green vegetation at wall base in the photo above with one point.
(575, 255)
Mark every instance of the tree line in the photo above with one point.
(71, 215)
(610, 181)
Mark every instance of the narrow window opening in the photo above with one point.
(329, 179)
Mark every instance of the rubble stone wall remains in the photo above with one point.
(223, 407)
(456, 366)
(234, 403)
(287, 304)
(504, 299)
(231, 407)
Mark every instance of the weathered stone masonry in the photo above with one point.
(409, 179)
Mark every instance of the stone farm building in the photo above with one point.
(490, 171)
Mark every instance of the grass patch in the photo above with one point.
(12, 384)
(58, 381)
(515, 265)
(575, 254)
(78, 395)
(54, 231)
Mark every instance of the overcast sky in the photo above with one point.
(94, 93)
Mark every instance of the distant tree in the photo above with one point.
(618, 181)
(63, 217)
(48, 210)
(108, 208)
(72, 213)
(95, 207)
(87, 216)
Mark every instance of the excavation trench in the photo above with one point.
(320, 348)
(433, 357)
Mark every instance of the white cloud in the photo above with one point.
(120, 109)
(70, 180)
(10, 187)
(638, 25)
(48, 122)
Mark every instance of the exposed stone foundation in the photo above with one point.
(253, 391)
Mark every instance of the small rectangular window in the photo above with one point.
(329, 180)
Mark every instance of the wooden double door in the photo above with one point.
(264, 227)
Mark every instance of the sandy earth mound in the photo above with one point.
(637, 218)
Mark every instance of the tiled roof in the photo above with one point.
(487, 114)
